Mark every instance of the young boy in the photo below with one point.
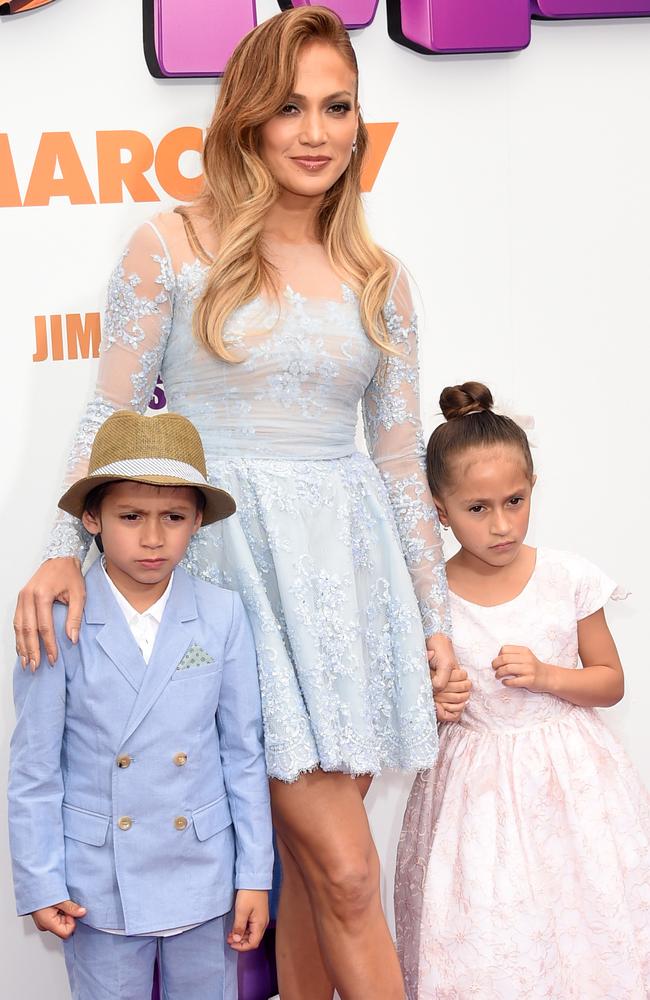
(138, 797)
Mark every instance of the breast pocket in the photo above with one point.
(197, 663)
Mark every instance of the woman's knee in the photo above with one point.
(349, 888)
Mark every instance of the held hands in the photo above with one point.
(451, 701)
(517, 666)
(442, 660)
(251, 919)
(55, 580)
(59, 919)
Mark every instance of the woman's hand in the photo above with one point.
(517, 666)
(451, 701)
(442, 660)
(55, 580)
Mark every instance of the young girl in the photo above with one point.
(524, 861)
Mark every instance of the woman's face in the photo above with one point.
(308, 144)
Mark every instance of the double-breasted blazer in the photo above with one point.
(140, 790)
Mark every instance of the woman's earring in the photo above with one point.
(354, 145)
(445, 527)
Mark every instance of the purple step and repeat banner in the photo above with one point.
(508, 170)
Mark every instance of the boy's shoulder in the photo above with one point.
(211, 595)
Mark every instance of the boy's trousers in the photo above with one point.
(195, 965)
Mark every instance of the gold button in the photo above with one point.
(125, 822)
(180, 759)
(180, 822)
(124, 760)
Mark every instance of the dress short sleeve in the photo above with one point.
(593, 588)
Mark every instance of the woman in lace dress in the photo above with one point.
(523, 868)
(271, 314)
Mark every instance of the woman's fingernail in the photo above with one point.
(32, 666)
(74, 634)
(23, 661)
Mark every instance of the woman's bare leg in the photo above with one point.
(301, 972)
(322, 822)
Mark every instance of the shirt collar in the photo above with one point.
(156, 610)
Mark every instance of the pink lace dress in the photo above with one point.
(523, 866)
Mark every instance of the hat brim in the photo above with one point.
(218, 503)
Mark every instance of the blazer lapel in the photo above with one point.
(172, 642)
(115, 637)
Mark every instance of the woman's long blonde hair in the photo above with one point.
(239, 189)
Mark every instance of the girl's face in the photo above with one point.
(488, 504)
(308, 144)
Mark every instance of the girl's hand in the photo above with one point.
(251, 919)
(442, 660)
(451, 701)
(517, 666)
(55, 580)
(59, 919)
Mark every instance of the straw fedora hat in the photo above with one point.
(164, 450)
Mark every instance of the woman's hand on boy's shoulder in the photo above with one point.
(60, 919)
(57, 579)
(251, 919)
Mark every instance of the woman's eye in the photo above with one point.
(339, 109)
(288, 109)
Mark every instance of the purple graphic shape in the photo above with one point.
(158, 400)
(256, 975)
(197, 37)
(440, 26)
(353, 13)
(589, 8)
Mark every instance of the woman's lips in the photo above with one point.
(311, 163)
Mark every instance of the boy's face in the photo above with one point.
(145, 531)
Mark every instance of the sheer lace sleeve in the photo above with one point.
(391, 415)
(136, 326)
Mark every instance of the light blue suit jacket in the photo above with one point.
(140, 790)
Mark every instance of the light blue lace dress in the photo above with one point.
(337, 555)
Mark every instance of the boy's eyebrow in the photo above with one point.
(134, 509)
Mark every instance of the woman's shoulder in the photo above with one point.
(167, 235)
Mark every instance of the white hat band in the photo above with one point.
(133, 467)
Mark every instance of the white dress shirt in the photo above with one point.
(144, 629)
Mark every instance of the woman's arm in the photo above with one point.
(137, 321)
(391, 413)
(599, 685)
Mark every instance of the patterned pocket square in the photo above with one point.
(195, 657)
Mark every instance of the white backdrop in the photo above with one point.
(516, 191)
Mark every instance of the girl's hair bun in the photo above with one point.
(459, 400)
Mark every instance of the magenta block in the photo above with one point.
(589, 8)
(439, 26)
(353, 13)
(194, 37)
